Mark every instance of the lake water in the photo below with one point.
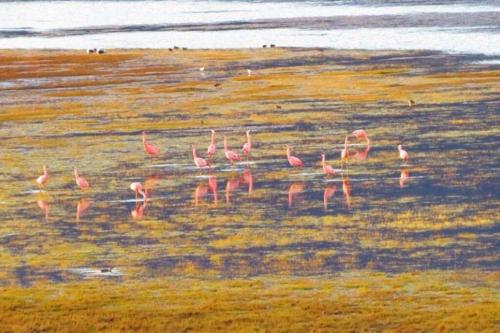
(466, 27)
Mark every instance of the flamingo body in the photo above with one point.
(293, 160)
(403, 154)
(198, 161)
(81, 182)
(41, 180)
(327, 169)
(149, 148)
(230, 155)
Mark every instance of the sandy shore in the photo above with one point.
(70, 107)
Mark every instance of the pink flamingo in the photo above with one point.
(137, 188)
(403, 154)
(148, 148)
(361, 134)
(43, 178)
(344, 155)
(293, 190)
(327, 194)
(230, 155)
(211, 146)
(82, 183)
(327, 169)
(81, 207)
(405, 175)
(292, 160)
(362, 155)
(247, 147)
(201, 163)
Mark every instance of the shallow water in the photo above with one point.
(258, 217)
(465, 27)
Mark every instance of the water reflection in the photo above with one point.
(328, 193)
(138, 211)
(248, 179)
(44, 206)
(81, 207)
(346, 189)
(403, 178)
(293, 191)
(232, 185)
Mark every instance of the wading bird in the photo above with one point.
(344, 154)
(230, 155)
(247, 147)
(82, 183)
(201, 163)
(361, 135)
(148, 148)
(403, 154)
(137, 188)
(211, 146)
(293, 160)
(43, 178)
(327, 169)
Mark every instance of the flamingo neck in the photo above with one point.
(249, 140)
(288, 152)
(76, 174)
(194, 152)
(212, 140)
(225, 144)
(45, 173)
(323, 161)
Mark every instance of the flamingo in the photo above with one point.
(201, 163)
(211, 146)
(361, 134)
(327, 169)
(362, 155)
(294, 161)
(249, 72)
(137, 188)
(82, 183)
(247, 147)
(148, 148)
(344, 155)
(230, 155)
(327, 194)
(403, 154)
(41, 180)
(411, 103)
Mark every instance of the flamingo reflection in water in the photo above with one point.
(293, 191)
(81, 207)
(44, 206)
(232, 185)
(328, 193)
(202, 190)
(138, 211)
(403, 178)
(248, 179)
(346, 189)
